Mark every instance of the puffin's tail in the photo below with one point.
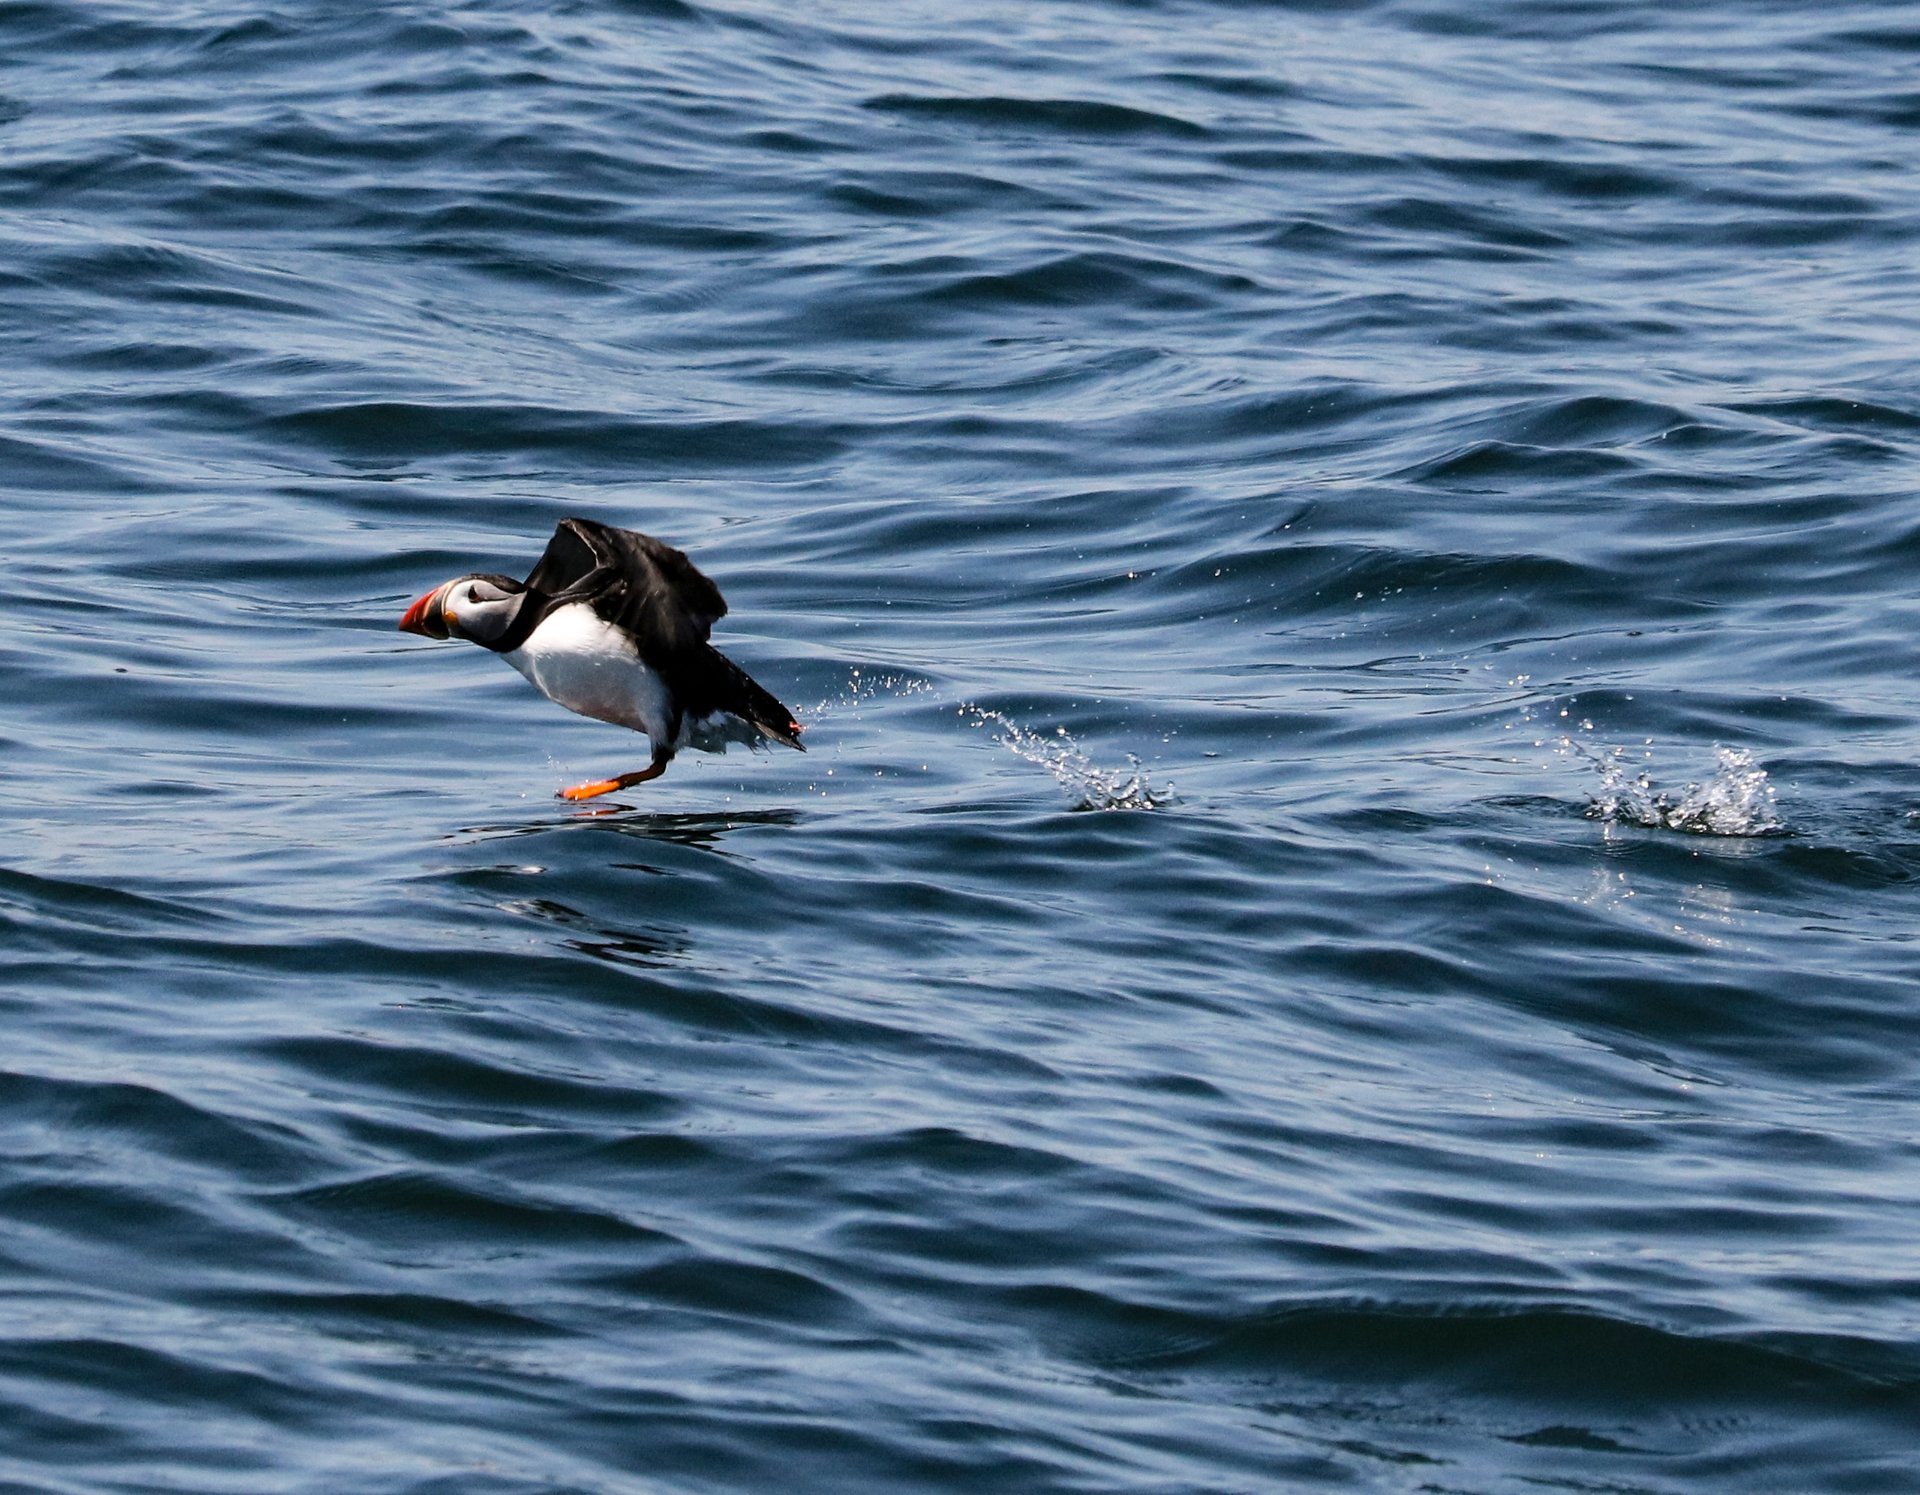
(749, 700)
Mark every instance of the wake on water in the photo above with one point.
(1736, 799)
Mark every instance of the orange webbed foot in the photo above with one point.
(599, 787)
(589, 791)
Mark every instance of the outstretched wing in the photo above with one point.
(668, 606)
(631, 580)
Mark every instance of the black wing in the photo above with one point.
(667, 605)
(633, 581)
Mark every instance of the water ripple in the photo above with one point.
(1466, 449)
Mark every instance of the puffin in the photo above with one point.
(613, 624)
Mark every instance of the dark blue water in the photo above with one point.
(1350, 920)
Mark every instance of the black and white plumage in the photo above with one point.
(613, 624)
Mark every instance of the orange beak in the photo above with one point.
(428, 616)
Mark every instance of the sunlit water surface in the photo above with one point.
(1348, 922)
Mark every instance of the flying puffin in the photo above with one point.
(613, 624)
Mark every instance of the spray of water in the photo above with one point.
(864, 686)
(1091, 786)
(1737, 800)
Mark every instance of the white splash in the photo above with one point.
(1738, 800)
(1092, 787)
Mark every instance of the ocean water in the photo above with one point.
(1349, 919)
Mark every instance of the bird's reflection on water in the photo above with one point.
(604, 934)
(702, 831)
(647, 948)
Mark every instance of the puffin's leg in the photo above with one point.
(625, 781)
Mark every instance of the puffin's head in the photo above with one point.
(477, 608)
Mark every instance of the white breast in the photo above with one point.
(587, 665)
